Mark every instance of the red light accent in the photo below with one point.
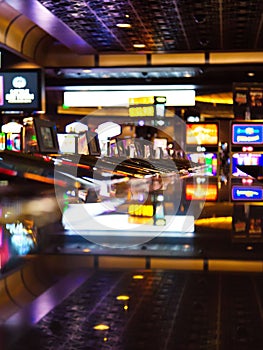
(8, 172)
(247, 181)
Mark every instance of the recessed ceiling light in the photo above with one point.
(123, 25)
(139, 46)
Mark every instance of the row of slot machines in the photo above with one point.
(241, 162)
(246, 151)
(243, 159)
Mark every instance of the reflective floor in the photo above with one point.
(144, 309)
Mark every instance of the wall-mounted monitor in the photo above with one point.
(22, 91)
(202, 134)
(46, 134)
(208, 160)
(245, 159)
(247, 133)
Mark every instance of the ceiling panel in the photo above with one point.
(163, 25)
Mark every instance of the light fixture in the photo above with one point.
(123, 297)
(101, 327)
(138, 277)
(251, 74)
(123, 25)
(138, 46)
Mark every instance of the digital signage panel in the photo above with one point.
(21, 91)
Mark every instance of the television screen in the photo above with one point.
(21, 90)
(209, 160)
(208, 192)
(83, 143)
(247, 134)
(245, 159)
(201, 134)
(67, 143)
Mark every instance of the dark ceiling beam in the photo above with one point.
(259, 31)
(221, 24)
(181, 24)
(49, 23)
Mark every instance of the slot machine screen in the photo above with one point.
(208, 192)
(209, 160)
(67, 143)
(13, 142)
(247, 134)
(247, 193)
(245, 159)
(201, 134)
(2, 141)
(83, 143)
(46, 134)
(93, 143)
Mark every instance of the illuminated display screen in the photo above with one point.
(144, 210)
(142, 111)
(13, 142)
(209, 160)
(2, 141)
(247, 134)
(21, 90)
(67, 143)
(245, 159)
(201, 134)
(83, 144)
(207, 192)
(249, 193)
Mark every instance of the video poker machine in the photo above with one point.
(246, 165)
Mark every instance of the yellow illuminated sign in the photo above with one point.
(141, 111)
(140, 210)
(148, 100)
